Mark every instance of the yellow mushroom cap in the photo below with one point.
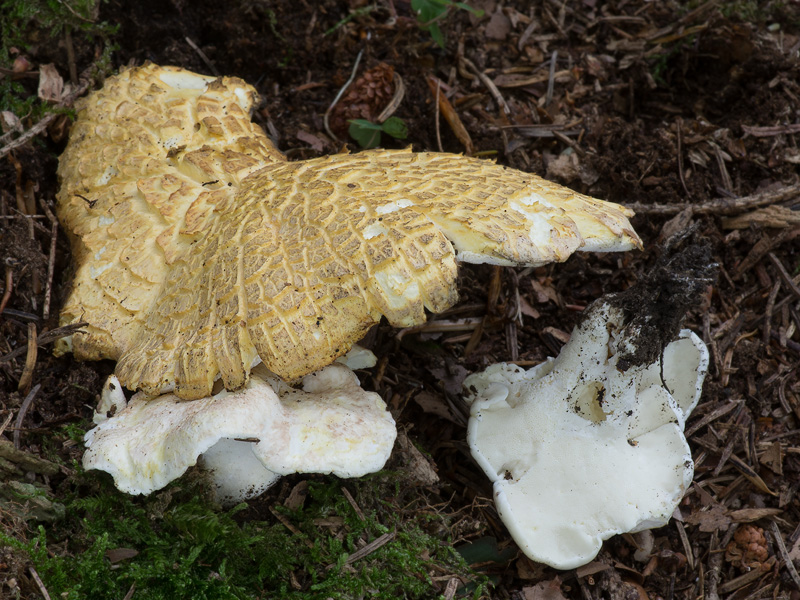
(201, 250)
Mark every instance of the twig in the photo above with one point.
(771, 131)
(719, 206)
(42, 125)
(741, 581)
(27, 461)
(353, 503)
(723, 170)
(203, 56)
(791, 344)
(571, 143)
(371, 547)
(51, 262)
(73, 70)
(30, 360)
(45, 338)
(437, 326)
(715, 563)
(687, 547)
(26, 404)
(776, 533)
(551, 79)
(6, 422)
(784, 275)
(768, 312)
(713, 416)
(452, 587)
(9, 287)
(132, 589)
(286, 523)
(498, 97)
(342, 90)
(39, 583)
(680, 156)
(397, 99)
(436, 117)
(73, 11)
(760, 249)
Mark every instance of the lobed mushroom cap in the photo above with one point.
(579, 451)
(248, 438)
(201, 251)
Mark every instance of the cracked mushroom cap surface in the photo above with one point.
(201, 251)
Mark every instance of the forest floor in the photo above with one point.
(689, 113)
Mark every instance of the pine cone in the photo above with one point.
(365, 99)
(748, 549)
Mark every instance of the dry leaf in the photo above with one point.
(452, 378)
(10, 122)
(312, 140)
(297, 496)
(418, 468)
(499, 26)
(544, 292)
(568, 167)
(676, 224)
(544, 590)
(528, 569)
(51, 86)
(119, 554)
(435, 405)
(714, 519)
(451, 116)
(526, 309)
(794, 553)
(773, 458)
(592, 568)
(748, 515)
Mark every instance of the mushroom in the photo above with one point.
(201, 251)
(247, 438)
(580, 449)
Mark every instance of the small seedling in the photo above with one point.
(429, 12)
(368, 134)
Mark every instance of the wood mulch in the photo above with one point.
(689, 114)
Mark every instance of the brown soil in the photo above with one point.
(677, 112)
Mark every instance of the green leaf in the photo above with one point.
(395, 127)
(364, 124)
(475, 11)
(436, 34)
(368, 135)
(428, 10)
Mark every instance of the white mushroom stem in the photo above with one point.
(248, 437)
(579, 451)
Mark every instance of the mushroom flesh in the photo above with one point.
(248, 438)
(580, 450)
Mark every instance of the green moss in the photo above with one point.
(28, 24)
(188, 548)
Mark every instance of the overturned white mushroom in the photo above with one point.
(579, 451)
(248, 438)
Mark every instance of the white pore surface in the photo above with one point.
(579, 451)
(249, 437)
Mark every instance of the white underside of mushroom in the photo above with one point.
(579, 451)
(248, 438)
